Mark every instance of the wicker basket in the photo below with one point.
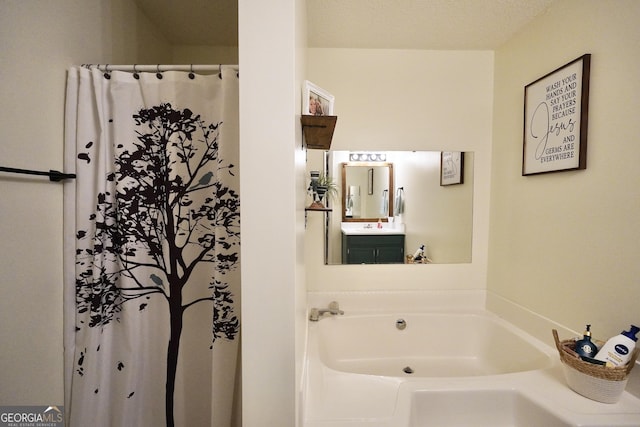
(597, 382)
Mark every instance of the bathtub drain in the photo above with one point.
(408, 370)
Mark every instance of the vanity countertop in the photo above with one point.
(371, 228)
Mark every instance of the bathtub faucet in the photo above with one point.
(317, 313)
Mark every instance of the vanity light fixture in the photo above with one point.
(367, 157)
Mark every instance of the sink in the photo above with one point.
(359, 228)
(479, 408)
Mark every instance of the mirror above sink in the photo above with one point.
(401, 196)
(367, 191)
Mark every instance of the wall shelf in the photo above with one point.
(311, 209)
(318, 131)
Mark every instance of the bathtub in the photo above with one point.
(426, 345)
(386, 367)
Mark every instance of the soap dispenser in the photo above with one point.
(585, 347)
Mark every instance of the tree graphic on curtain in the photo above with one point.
(170, 213)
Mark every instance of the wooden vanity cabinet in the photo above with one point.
(373, 249)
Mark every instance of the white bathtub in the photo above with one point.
(356, 376)
(430, 345)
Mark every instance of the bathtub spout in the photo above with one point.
(316, 313)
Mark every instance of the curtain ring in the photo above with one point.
(135, 73)
(220, 71)
(106, 72)
(191, 75)
(158, 73)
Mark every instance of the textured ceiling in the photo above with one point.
(392, 24)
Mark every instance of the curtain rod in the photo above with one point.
(52, 174)
(160, 67)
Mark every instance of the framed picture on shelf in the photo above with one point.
(316, 101)
(451, 167)
(556, 108)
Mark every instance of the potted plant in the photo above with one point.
(322, 185)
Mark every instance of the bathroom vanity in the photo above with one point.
(367, 244)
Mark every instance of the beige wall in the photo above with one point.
(300, 158)
(271, 157)
(204, 54)
(39, 41)
(566, 245)
(406, 100)
(133, 38)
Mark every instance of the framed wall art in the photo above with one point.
(556, 109)
(316, 101)
(451, 167)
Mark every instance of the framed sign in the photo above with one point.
(451, 167)
(556, 108)
(316, 101)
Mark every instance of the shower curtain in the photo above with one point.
(152, 239)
